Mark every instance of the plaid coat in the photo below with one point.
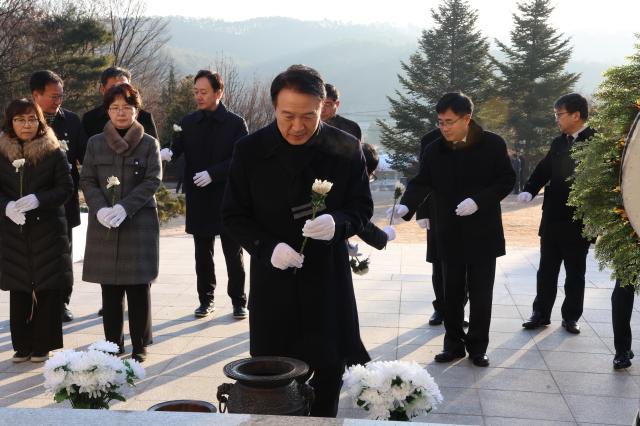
(127, 254)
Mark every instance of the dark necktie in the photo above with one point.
(570, 139)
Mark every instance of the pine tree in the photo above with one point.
(532, 77)
(451, 56)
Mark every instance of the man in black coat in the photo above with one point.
(561, 237)
(47, 89)
(94, 121)
(468, 173)
(330, 113)
(301, 305)
(206, 139)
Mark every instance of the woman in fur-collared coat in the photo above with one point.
(123, 238)
(34, 248)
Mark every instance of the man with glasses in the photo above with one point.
(468, 172)
(47, 90)
(330, 115)
(561, 237)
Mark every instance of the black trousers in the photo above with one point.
(205, 269)
(44, 332)
(621, 309)
(139, 310)
(555, 249)
(438, 285)
(326, 383)
(66, 292)
(477, 279)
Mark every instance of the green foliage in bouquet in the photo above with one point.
(596, 188)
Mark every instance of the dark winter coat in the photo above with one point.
(427, 208)
(207, 140)
(128, 254)
(555, 171)
(67, 127)
(312, 314)
(373, 236)
(346, 125)
(36, 255)
(94, 121)
(479, 169)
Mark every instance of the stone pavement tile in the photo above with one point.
(601, 293)
(524, 405)
(505, 311)
(383, 352)
(518, 340)
(425, 296)
(598, 409)
(598, 315)
(25, 385)
(451, 419)
(238, 329)
(229, 347)
(351, 413)
(379, 306)
(459, 401)
(434, 335)
(506, 421)
(419, 353)
(635, 346)
(33, 403)
(414, 321)
(156, 364)
(377, 279)
(571, 343)
(377, 335)
(616, 384)
(362, 295)
(91, 324)
(511, 379)
(527, 359)
(503, 299)
(168, 344)
(556, 331)
(416, 307)
(168, 388)
(415, 278)
(370, 319)
(597, 302)
(506, 325)
(577, 362)
(452, 375)
(198, 365)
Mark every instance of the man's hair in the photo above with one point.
(457, 102)
(299, 78)
(40, 79)
(114, 72)
(127, 91)
(332, 91)
(23, 106)
(215, 79)
(371, 157)
(573, 102)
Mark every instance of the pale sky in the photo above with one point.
(494, 15)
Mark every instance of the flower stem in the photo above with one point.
(304, 242)
(393, 212)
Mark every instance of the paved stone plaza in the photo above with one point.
(539, 377)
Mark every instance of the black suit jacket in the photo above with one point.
(555, 172)
(427, 208)
(346, 125)
(67, 126)
(94, 121)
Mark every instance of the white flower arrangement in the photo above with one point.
(92, 378)
(392, 390)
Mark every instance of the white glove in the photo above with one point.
(400, 211)
(424, 223)
(202, 179)
(524, 197)
(102, 215)
(117, 216)
(321, 228)
(14, 214)
(353, 249)
(166, 154)
(466, 207)
(284, 257)
(391, 233)
(26, 203)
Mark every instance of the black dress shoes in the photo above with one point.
(204, 310)
(240, 312)
(481, 360)
(66, 313)
(448, 356)
(536, 321)
(622, 360)
(571, 326)
(436, 318)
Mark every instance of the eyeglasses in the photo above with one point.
(23, 122)
(56, 98)
(558, 114)
(448, 123)
(126, 109)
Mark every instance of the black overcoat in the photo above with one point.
(207, 140)
(312, 314)
(427, 208)
(555, 171)
(68, 127)
(346, 125)
(35, 256)
(478, 168)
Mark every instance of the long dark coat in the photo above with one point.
(479, 169)
(94, 121)
(128, 254)
(346, 125)
(67, 127)
(312, 314)
(555, 171)
(427, 208)
(35, 256)
(207, 140)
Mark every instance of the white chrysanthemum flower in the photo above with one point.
(112, 181)
(177, 128)
(136, 368)
(321, 187)
(104, 346)
(18, 163)
(400, 187)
